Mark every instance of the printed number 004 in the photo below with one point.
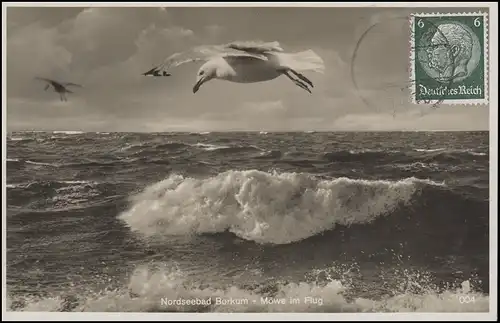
(466, 299)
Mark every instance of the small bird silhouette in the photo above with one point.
(59, 87)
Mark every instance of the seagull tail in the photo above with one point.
(302, 61)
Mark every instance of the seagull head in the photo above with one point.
(207, 72)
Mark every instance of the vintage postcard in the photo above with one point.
(295, 161)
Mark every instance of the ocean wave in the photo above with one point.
(439, 155)
(457, 156)
(166, 289)
(276, 208)
(431, 166)
(210, 147)
(40, 163)
(360, 155)
(269, 154)
(68, 132)
(456, 152)
(31, 162)
(86, 163)
(429, 150)
(32, 131)
(452, 151)
(59, 195)
(39, 186)
(202, 133)
(18, 138)
(169, 145)
(148, 147)
(225, 148)
(416, 166)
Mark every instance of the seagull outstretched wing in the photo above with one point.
(151, 71)
(63, 84)
(45, 79)
(206, 52)
(72, 84)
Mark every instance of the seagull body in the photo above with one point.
(242, 69)
(249, 62)
(58, 87)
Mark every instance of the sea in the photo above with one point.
(332, 222)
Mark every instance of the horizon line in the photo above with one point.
(233, 131)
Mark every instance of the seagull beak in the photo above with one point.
(196, 87)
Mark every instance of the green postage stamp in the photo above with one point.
(449, 58)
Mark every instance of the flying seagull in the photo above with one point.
(248, 62)
(58, 87)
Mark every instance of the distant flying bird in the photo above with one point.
(155, 71)
(58, 87)
(249, 62)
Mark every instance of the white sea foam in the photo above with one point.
(209, 147)
(429, 150)
(40, 163)
(68, 132)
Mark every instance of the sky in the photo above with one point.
(107, 49)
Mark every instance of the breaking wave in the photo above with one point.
(277, 208)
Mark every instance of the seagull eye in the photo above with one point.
(201, 73)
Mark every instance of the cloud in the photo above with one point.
(102, 36)
(155, 43)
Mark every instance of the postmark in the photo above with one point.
(449, 58)
(393, 91)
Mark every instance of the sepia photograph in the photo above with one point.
(267, 160)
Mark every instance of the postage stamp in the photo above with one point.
(449, 58)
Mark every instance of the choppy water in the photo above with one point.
(358, 222)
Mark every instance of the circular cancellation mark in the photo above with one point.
(391, 91)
